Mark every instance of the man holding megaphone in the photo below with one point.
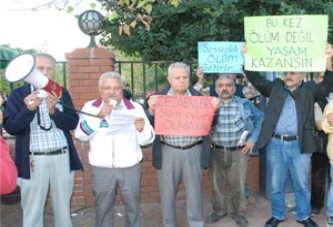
(45, 153)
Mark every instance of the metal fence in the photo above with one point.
(143, 77)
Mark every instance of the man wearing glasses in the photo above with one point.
(115, 128)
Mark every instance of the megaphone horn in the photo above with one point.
(23, 68)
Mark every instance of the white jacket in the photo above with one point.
(114, 141)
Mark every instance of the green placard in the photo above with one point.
(286, 43)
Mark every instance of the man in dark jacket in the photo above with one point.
(127, 92)
(288, 134)
(179, 158)
(45, 153)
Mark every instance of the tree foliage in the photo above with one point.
(170, 29)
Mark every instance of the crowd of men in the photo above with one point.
(116, 127)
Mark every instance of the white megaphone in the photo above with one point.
(23, 68)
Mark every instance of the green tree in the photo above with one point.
(164, 30)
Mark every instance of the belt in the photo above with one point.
(56, 152)
(286, 137)
(182, 147)
(228, 148)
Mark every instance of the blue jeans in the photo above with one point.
(329, 211)
(283, 156)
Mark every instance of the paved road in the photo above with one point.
(257, 213)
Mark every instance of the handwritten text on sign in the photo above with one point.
(286, 43)
(183, 115)
(220, 57)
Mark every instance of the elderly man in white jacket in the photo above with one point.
(115, 128)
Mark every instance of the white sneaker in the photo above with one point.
(329, 221)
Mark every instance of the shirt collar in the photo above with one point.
(297, 87)
(172, 92)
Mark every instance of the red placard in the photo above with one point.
(183, 115)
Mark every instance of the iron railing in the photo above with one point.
(142, 76)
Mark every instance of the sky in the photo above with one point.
(47, 30)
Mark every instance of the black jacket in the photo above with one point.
(17, 121)
(304, 96)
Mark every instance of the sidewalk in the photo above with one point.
(257, 214)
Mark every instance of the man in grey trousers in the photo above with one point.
(179, 158)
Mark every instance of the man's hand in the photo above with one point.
(139, 123)
(244, 49)
(216, 103)
(152, 102)
(106, 110)
(32, 101)
(52, 100)
(200, 76)
(248, 147)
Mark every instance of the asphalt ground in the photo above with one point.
(258, 212)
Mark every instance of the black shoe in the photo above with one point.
(215, 217)
(273, 222)
(241, 220)
(315, 211)
(308, 223)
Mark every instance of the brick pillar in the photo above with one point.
(85, 65)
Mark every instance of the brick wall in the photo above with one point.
(84, 69)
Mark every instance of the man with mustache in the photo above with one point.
(115, 135)
(179, 158)
(234, 134)
(288, 135)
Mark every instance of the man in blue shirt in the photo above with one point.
(288, 135)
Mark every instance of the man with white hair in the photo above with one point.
(179, 158)
(115, 128)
